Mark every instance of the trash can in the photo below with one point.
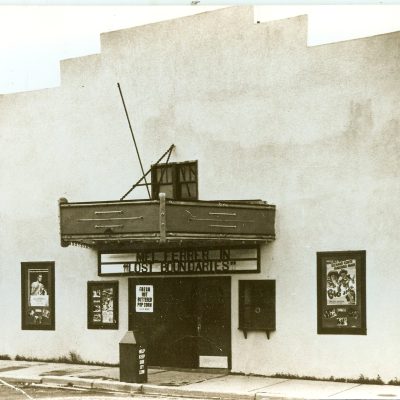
(132, 358)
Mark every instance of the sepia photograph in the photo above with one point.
(199, 200)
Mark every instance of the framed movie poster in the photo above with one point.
(102, 305)
(341, 292)
(37, 295)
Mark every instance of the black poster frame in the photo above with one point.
(355, 312)
(43, 289)
(101, 286)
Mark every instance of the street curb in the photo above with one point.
(118, 386)
(266, 396)
(69, 381)
(175, 391)
(92, 384)
(13, 379)
(136, 388)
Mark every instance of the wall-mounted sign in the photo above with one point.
(102, 305)
(341, 292)
(144, 298)
(37, 283)
(181, 262)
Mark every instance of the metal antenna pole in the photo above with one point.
(133, 137)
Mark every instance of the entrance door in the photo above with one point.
(189, 325)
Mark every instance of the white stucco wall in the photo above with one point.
(313, 130)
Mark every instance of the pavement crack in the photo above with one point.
(344, 390)
(271, 384)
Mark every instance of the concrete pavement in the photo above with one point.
(198, 383)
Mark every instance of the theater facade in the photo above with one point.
(259, 225)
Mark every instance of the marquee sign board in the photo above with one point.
(202, 261)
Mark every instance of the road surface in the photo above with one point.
(38, 391)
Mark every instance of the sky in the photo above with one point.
(33, 38)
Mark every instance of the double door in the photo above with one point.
(187, 322)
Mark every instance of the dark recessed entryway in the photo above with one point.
(190, 322)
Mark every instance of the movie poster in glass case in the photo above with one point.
(37, 295)
(341, 292)
(103, 305)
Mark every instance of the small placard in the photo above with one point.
(144, 298)
(213, 362)
(39, 300)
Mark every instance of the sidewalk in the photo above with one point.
(191, 383)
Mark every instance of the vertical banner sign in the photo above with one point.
(37, 292)
(142, 360)
(144, 298)
(341, 292)
(103, 305)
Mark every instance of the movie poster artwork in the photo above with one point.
(37, 295)
(341, 292)
(107, 306)
(103, 305)
(341, 288)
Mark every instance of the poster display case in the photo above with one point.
(341, 293)
(257, 306)
(102, 305)
(37, 296)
